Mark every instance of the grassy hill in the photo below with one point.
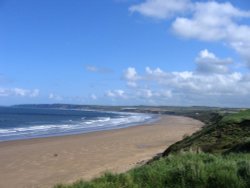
(226, 133)
(216, 156)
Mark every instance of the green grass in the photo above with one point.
(243, 115)
(180, 171)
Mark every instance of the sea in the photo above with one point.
(17, 123)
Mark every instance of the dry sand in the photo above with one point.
(47, 161)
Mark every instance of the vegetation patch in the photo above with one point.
(240, 117)
(178, 171)
(222, 134)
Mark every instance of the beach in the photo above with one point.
(44, 162)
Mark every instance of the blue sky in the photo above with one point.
(125, 52)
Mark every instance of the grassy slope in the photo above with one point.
(223, 135)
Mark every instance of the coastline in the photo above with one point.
(86, 124)
(44, 162)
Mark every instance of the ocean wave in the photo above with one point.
(73, 127)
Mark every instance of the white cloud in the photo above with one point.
(205, 54)
(196, 88)
(116, 93)
(213, 82)
(157, 72)
(53, 96)
(6, 92)
(207, 62)
(131, 74)
(212, 21)
(205, 21)
(120, 93)
(161, 9)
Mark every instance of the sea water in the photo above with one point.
(25, 123)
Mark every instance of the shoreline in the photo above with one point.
(152, 118)
(69, 134)
(44, 162)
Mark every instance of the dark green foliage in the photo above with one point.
(243, 147)
(244, 171)
(185, 170)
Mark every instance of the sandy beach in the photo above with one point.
(45, 162)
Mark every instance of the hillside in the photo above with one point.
(228, 133)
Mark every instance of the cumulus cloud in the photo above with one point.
(131, 76)
(6, 92)
(161, 9)
(210, 21)
(219, 81)
(211, 83)
(157, 72)
(193, 86)
(205, 21)
(207, 62)
(116, 93)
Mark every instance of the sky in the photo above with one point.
(125, 52)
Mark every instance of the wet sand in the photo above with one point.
(45, 162)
